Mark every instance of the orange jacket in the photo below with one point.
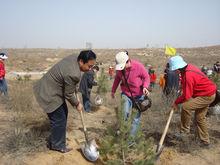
(162, 81)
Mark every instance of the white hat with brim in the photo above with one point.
(121, 58)
(3, 56)
(176, 62)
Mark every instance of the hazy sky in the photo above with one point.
(109, 23)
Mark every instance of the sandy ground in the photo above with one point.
(75, 138)
(169, 156)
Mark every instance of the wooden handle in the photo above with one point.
(84, 127)
(165, 130)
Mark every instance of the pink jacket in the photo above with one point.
(137, 78)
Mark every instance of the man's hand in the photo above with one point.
(175, 107)
(145, 91)
(113, 95)
(79, 107)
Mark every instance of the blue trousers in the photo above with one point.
(3, 87)
(86, 102)
(128, 104)
(58, 120)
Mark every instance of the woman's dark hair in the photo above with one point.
(86, 55)
(183, 69)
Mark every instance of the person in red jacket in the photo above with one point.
(111, 72)
(198, 92)
(153, 78)
(3, 83)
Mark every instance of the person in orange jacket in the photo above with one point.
(162, 81)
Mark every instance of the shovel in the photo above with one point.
(89, 148)
(160, 145)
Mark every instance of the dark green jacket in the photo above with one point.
(58, 84)
(86, 83)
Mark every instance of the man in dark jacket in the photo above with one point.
(58, 84)
(85, 87)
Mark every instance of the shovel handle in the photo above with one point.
(84, 127)
(165, 131)
(82, 119)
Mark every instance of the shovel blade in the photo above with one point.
(159, 150)
(90, 151)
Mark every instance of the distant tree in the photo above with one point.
(102, 83)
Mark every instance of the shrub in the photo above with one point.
(115, 149)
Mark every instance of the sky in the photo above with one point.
(109, 23)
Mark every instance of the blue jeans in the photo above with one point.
(128, 104)
(3, 87)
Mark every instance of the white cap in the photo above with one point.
(121, 58)
(3, 56)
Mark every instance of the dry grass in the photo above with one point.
(29, 125)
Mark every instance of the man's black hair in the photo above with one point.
(86, 55)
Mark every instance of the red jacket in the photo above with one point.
(195, 83)
(2, 69)
(153, 77)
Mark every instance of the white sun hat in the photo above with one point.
(3, 56)
(121, 58)
(176, 62)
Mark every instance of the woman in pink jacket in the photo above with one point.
(133, 74)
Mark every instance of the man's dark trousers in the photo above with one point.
(58, 120)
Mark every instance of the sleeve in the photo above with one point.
(70, 89)
(187, 87)
(90, 78)
(116, 82)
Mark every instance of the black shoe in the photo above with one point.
(205, 145)
(64, 150)
(180, 135)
